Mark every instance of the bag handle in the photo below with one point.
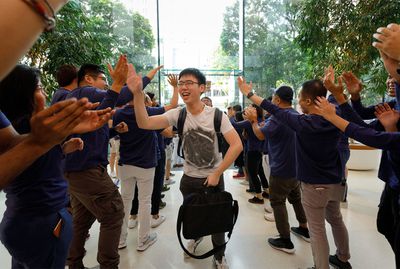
(214, 250)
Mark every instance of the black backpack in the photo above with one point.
(222, 144)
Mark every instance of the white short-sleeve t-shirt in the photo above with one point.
(200, 143)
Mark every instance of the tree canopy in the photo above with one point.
(92, 31)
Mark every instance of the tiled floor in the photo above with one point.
(248, 247)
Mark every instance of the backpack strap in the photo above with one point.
(181, 123)
(217, 127)
(217, 120)
(214, 250)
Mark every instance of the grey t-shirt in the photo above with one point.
(200, 143)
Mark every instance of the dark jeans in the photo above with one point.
(196, 185)
(94, 196)
(157, 188)
(31, 242)
(388, 220)
(255, 171)
(280, 190)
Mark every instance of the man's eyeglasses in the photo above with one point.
(186, 83)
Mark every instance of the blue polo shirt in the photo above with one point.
(138, 146)
(281, 141)
(59, 95)
(95, 148)
(253, 143)
(387, 167)
(318, 160)
(4, 122)
(40, 189)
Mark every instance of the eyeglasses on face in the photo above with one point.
(186, 83)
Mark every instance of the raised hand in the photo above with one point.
(92, 120)
(153, 72)
(353, 84)
(244, 87)
(52, 125)
(173, 80)
(134, 81)
(324, 108)
(391, 65)
(251, 114)
(119, 73)
(72, 145)
(329, 82)
(387, 116)
(388, 40)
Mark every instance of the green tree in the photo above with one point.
(340, 33)
(93, 31)
(271, 56)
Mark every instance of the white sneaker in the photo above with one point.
(267, 207)
(122, 244)
(245, 182)
(158, 221)
(269, 217)
(169, 182)
(151, 239)
(192, 245)
(132, 223)
(113, 174)
(222, 264)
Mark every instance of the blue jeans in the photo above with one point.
(31, 242)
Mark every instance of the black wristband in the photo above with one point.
(250, 94)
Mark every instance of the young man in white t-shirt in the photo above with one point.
(204, 165)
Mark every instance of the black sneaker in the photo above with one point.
(256, 200)
(302, 233)
(338, 264)
(283, 244)
(162, 204)
(265, 195)
(165, 188)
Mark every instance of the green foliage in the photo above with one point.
(92, 31)
(340, 33)
(271, 56)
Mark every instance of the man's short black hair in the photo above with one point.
(66, 74)
(313, 88)
(151, 95)
(237, 108)
(92, 70)
(201, 79)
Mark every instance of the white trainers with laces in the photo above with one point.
(122, 244)
(192, 245)
(169, 182)
(132, 223)
(151, 239)
(221, 264)
(157, 222)
(267, 207)
(269, 217)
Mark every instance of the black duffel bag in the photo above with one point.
(204, 214)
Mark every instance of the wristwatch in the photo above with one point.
(250, 94)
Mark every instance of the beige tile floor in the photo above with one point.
(248, 247)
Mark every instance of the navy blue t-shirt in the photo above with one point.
(388, 169)
(4, 122)
(253, 143)
(138, 146)
(95, 143)
(59, 95)
(318, 160)
(40, 189)
(281, 142)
